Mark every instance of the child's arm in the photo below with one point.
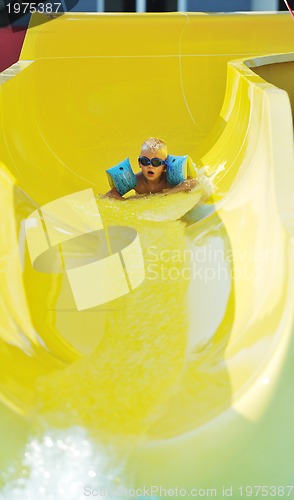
(113, 193)
(187, 185)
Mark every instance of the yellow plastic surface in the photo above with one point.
(193, 360)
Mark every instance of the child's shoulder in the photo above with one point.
(139, 177)
(139, 188)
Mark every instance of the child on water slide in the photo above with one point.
(153, 178)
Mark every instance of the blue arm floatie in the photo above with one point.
(122, 177)
(179, 168)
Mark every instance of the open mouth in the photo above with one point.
(150, 172)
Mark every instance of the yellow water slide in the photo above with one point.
(180, 342)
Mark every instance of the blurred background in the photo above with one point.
(178, 5)
(13, 26)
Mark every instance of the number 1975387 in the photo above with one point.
(32, 7)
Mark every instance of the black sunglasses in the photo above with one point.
(155, 162)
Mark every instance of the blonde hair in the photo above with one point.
(154, 144)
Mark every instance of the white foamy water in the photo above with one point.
(65, 465)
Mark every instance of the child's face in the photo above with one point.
(153, 173)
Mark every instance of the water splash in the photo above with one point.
(65, 464)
